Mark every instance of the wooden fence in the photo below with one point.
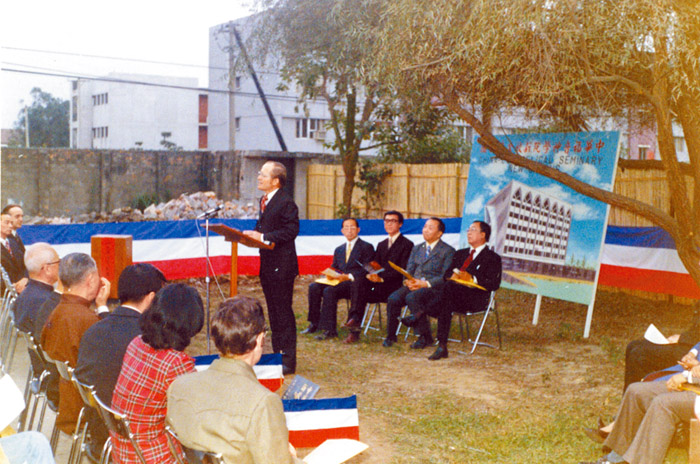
(424, 190)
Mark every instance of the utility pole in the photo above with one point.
(231, 88)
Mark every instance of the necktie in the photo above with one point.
(391, 242)
(348, 250)
(263, 203)
(427, 251)
(467, 261)
(7, 245)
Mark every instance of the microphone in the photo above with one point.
(210, 212)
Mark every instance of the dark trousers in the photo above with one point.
(323, 304)
(457, 298)
(643, 357)
(278, 297)
(365, 291)
(400, 298)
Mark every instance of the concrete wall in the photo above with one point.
(67, 182)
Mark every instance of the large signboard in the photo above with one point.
(549, 236)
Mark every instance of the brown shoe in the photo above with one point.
(352, 324)
(353, 337)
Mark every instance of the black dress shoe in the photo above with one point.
(409, 321)
(440, 352)
(310, 329)
(286, 370)
(388, 342)
(326, 335)
(422, 342)
(352, 324)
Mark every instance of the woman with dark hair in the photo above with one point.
(152, 361)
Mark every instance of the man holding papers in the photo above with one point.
(426, 265)
(473, 273)
(378, 286)
(348, 265)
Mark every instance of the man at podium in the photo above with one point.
(278, 224)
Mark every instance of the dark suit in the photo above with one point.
(13, 263)
(451, 296)
(100, 356)
(365, 291)
(279, 224)
(28, 304)
(431, 268)
(17, 244)
(328, 295)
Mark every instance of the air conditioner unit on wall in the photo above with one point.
(320, 135)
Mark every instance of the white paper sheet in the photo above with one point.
(655, 336)
(335, 451)
(11, 401)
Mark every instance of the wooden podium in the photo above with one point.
(235, 236)
(112, 254)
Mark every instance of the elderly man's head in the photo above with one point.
(16, 214)
(42, 262)
(79, 275)
(5, 225)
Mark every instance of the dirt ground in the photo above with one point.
(523, 403)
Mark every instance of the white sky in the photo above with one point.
(167, 31)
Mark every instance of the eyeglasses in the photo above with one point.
(391, 220)
(52, 262)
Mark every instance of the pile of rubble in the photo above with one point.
(187, 206)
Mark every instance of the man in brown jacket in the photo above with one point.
(61, 336)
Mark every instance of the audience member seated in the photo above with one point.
(16, 243)
(66, 325)
(225, 409)
(349, 260)
(478, 264)
(377, 287)
(151, 363)
(427, 264)
(42, 262)
(103, 345)
(12, 260)
(643, 357)
(647, 419)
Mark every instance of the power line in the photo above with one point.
(149, 84)
(118, 58)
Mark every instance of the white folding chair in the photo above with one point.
(490, 309)
(376, 308)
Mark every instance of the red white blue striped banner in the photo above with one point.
(311, 422)
(633, 257)
(268, 370)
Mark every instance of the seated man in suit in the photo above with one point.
(224, 409)
(348, 259)
(427, 264)
(478, 264)
(11, 258)
(646, 421)
(377, 287)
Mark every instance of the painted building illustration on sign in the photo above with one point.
(548, 235)
(530, 230)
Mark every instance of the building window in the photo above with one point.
(310, 128)
(74, 108)
(203, 108)
(643, 151)
(237, 83)
(203, 137)
(465, 132)
(237, 123)
(74, 138)
(101, 99)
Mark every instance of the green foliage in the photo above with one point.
(145, 200)
(167, 144)
(371, 179)
(342, 212)
(48, 121)
(444, 146)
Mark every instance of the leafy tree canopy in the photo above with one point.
(48, 121)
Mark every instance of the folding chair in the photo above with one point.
(118, 424)
(490, 309)
(87, 393)
(367, 321)
(36, 387)
(193, 456)
(8, 331)
(404, 312)
(66, 373)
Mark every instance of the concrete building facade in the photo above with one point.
(116, 112)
